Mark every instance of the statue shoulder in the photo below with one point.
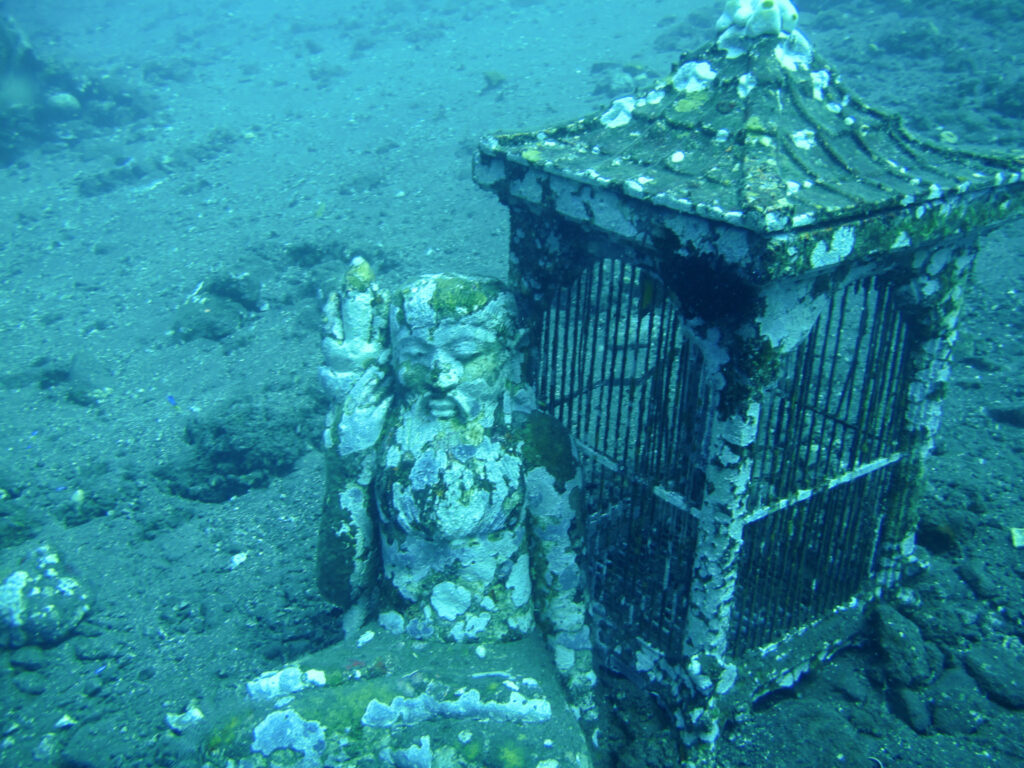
(546, 443)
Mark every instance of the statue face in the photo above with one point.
(453, 342)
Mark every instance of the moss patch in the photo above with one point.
(546, 444)
(457, 297)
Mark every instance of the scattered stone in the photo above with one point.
(243, 288)
(204, 316)
(957, 705)
(28, 657)
(999, 672)
(1017, 537)
(47, 748)
(90, 382)
(237, 445)
(96, 649)
(911, 707)
(976, 575)
(63, 105)
(39, 603)
(32, 683)
(180, 723)
(92, 686)
(1012, 416)
(906, 656)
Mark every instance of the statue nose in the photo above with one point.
(447, 375)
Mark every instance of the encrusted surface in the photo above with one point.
(763, 136)
(387, 699)
(776, 209)
(450, 499)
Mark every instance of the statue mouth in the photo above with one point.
(443, 407)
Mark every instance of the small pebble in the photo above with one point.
(63, 103)
(31, 683)
(28, 657)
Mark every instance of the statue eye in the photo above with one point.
(465, 351)
(413, 349)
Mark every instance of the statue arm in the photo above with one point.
(356, 377)
(561, 600)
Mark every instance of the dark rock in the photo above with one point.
(12, 483)
(19, 521)
(106, 489)
(204, 316)
(89, 628)
(236, 446)
(1012, 416)
(948, 612)
(998, 671)
(850, 684)
(937, 538)
(89, 380)
(1008, 99)
(32, 683)
(243, 288)
(869, 720)
(29, 657)
(307, 254)
(911, 707)
(96, 649)
(973, 572)
(980, 363)
(123, 171)
(957, 705)
(903, 647)
(88, 747)
(942, 530)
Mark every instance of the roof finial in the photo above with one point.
(759, 17)
(742, 21)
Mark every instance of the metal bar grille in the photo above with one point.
(617, 367)
(827, 448)
(839, 402)
(798, 565)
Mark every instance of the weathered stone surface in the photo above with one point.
(999, 672)
(904, 648)
(388, 699)
(29, 657)
(40, 604)
(452, 504)
(957, 705)
(911, 707)
(32, 683)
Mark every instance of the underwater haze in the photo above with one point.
(179, 184)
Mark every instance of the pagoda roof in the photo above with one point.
(764, 137)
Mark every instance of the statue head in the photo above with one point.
(455, 345)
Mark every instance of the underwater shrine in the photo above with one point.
(742, 287)
(683, 445)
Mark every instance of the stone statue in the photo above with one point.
(452, 504)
